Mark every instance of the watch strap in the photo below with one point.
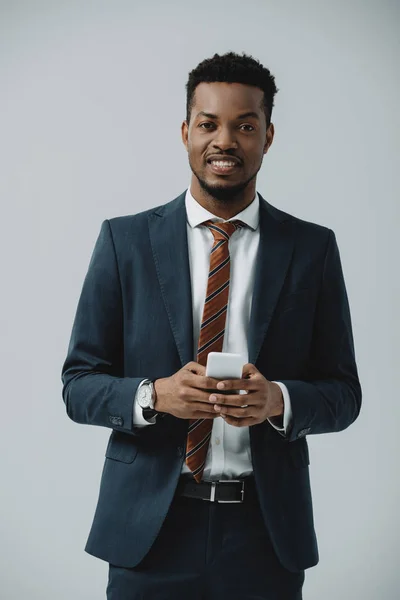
(150, 415)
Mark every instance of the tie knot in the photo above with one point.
(223, 231)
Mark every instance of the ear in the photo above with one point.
(269, 137)
(185, 132)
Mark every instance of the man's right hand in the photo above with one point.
(186, 393)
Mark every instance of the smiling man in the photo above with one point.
(204, 496)
(227, 132)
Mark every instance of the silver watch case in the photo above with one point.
(146, 395)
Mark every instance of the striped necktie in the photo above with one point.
(211, 334)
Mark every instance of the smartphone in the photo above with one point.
(225, 365)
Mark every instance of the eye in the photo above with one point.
(252, 128)
(212, 125)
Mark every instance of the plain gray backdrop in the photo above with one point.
(92, 99)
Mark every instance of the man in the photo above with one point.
(203, 495)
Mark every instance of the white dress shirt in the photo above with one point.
(229, 454)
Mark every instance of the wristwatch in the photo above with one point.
(146, 398)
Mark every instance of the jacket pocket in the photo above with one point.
(121, 447)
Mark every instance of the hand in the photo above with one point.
(264, 399)
(186, 393)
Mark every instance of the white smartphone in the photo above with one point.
(225, 365)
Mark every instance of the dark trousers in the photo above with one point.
(208, 551)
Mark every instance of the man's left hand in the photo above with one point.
(263, 399)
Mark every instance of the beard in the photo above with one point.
(222, 192)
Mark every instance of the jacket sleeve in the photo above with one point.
(329, 398)
(95, 391)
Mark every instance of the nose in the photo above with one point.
(225, 139)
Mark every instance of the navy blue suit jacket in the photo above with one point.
(134, 320)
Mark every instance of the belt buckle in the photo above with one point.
(213, 485)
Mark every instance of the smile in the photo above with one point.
(222, 167)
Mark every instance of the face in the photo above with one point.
(226, 122)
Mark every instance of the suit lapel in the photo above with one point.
(273, 259)
(168, 237)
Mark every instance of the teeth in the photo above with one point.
(220, 163)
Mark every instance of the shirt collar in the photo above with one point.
(196, 214)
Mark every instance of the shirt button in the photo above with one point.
(217, 441)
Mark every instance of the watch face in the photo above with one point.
(145, 396)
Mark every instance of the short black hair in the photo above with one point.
(233, 68)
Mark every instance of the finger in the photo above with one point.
(205, 383)
(195, 367)
(237, 384)
(238, 412)
(201, 404)
(248, 422)
(232, 399)
(249, 369)
(204, 408)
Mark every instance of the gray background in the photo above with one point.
(92, 99)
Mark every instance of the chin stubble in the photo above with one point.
(223, 193)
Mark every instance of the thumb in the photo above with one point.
(249, 370)
(196, 368)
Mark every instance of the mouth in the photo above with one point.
(223, 167)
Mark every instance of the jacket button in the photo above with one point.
(179, 451)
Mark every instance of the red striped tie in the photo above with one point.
(211, 334)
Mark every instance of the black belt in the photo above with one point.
(230, 491)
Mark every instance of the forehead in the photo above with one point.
(227, 99)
